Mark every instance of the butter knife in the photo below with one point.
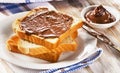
(78, 4)
(99, 36)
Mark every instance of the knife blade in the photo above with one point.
(100, 36)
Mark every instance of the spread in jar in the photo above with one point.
(46, 24)
(99, 15)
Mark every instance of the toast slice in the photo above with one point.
(15, 44)
(12, 44)
(34, 49)
(29, 47)
(48, 56)
(50, 43)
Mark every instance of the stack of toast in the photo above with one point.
(47, 45)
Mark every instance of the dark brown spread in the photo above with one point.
(99, 15)
(46, 24)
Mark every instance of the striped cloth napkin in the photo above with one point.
(25, 1)
(12, 8)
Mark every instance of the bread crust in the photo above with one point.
(50, 43)
(51, 55)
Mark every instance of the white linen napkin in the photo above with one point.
(3, 65)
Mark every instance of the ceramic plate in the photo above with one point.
(85, 44)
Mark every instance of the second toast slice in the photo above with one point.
(15, 44)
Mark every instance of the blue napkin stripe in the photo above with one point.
(27, 1)
(14, 7)
(79, 65)
(30, 1)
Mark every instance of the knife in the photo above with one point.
(84, 63)
(99, 36)
(77, 4)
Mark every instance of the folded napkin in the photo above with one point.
(25, 1)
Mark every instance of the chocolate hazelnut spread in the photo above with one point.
(99, 15)
(46, 24)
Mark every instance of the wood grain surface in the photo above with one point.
(109, 62)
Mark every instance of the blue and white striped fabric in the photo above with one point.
(12, 8)
(25, 1)
(84, 63)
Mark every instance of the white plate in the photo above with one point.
(85, 44)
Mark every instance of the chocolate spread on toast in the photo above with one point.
(46, 24)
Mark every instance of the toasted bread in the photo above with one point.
(50, 43)
(15, 44)
(27, 46)
(12, 44)
(48, 56)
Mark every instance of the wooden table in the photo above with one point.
(109, 62)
